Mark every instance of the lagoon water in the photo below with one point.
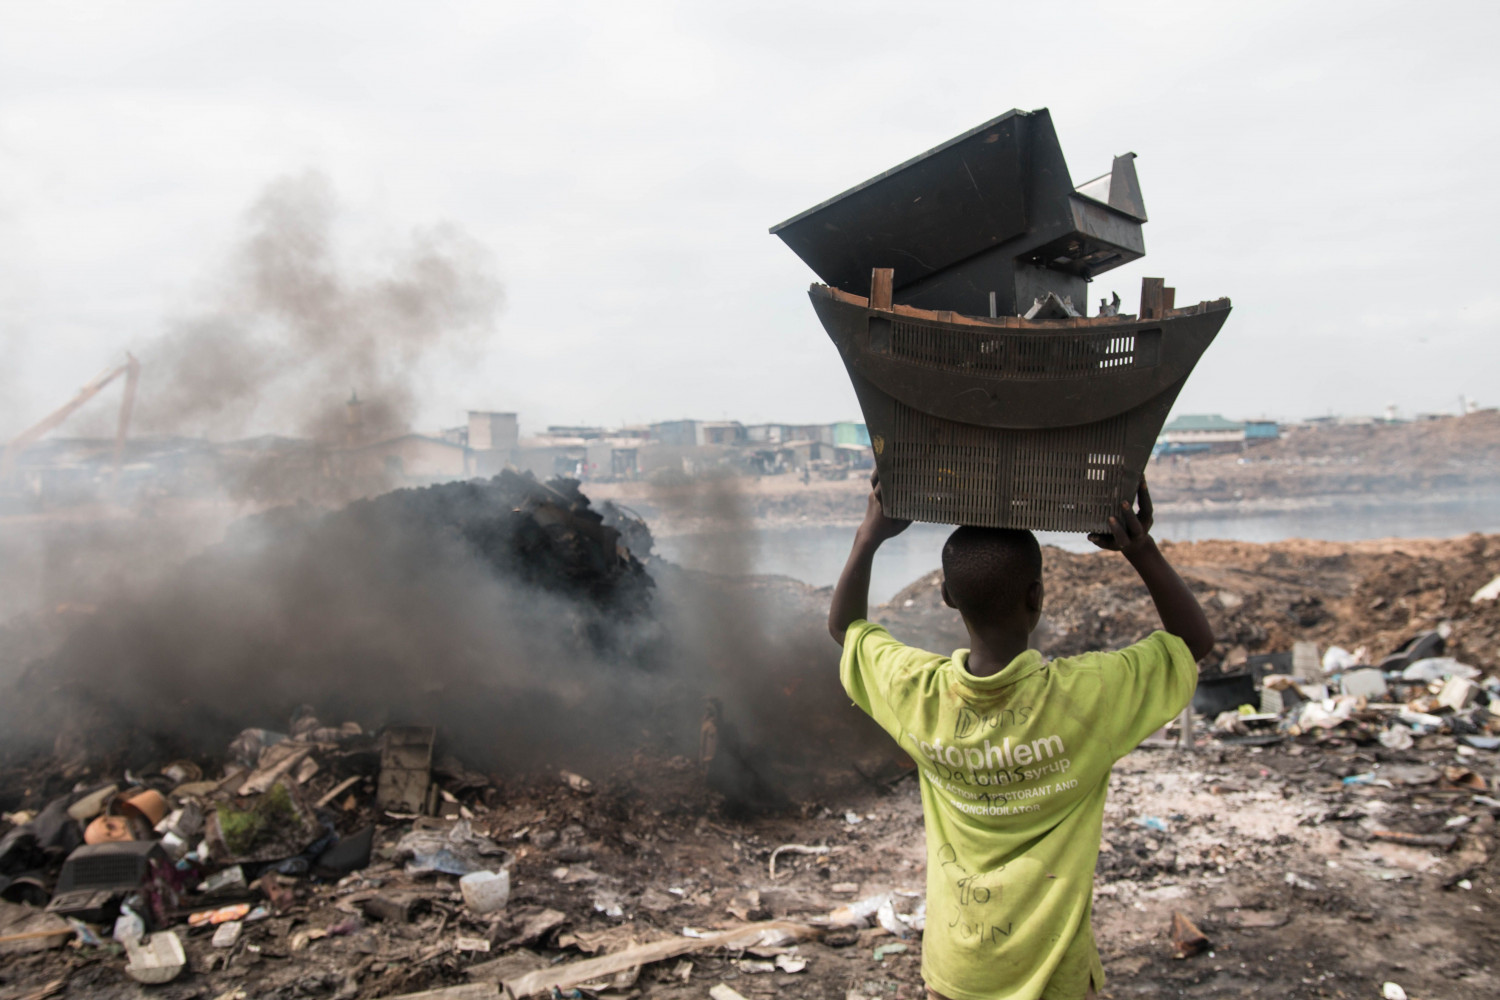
(816, 554)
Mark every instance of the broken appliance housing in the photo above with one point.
(991, 399)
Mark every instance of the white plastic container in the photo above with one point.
(486, 892)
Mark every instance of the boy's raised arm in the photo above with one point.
(851, 597)
(1130, 535)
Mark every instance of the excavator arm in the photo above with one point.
(131, 369)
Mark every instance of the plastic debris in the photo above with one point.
(228, 934)
(1488, 592)
(1435, 668)
(858, 914)
(158, 959)
(1153, 823)
(889, 949)
(1397, 738)
(1392, 991)
(485, 891)
(457, 850)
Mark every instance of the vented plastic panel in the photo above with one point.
(103, 871)
(1002, 354)
(1063, 479)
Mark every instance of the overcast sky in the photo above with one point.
(1328, 166)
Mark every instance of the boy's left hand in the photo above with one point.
(1128, 532)
(877, 525)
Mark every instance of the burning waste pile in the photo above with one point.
(438, 669)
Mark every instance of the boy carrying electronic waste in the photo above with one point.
(1014, 751)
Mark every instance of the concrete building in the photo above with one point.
(492, 439)
(1261, 430)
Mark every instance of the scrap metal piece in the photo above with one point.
(405, 769)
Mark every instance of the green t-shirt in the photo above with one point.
(1014, 771)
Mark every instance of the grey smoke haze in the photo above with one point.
(296, 322)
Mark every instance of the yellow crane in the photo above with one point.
(131, 369)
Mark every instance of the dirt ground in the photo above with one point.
(1291, 873)
(1264, 849)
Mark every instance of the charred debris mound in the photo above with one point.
(505, 610)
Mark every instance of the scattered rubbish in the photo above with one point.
(91, 804)
(1153, 823)
(1367, 778)
(1391, 991)
(886, 918)
(853, 818)
(1364, 683)
(1488, 592)
(578, 782)
(1458, 693)
(1397, 738)
(591, 969)
(794, 849)
(24, 929)
(405, 769)
(889, 949)
(389, 909)
(1337, 659)
(223, 915)
(788, 963)
(157, 959)
(485, 891)
(1306, 665)
(858, 914)
(1436, 668)
(231, 879)
(228, 934)
(479, 944)
(1297, 881)
(1446, 841)
(1187, 939)
(725, 992)
(129, 926)
(450, 849)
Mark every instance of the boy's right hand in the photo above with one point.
(877, 526)
(1129, 533)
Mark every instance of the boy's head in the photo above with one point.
(993, 574)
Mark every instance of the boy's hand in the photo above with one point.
(1128, 533)
(877, 526)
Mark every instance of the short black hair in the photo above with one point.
(988, 571)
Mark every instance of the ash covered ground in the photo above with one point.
(634, 742)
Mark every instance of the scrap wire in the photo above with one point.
(796, 849)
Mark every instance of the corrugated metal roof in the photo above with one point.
(1203, 422)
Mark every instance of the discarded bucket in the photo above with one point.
(485, 892)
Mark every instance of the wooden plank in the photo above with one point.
(471, 991)
(1168, 300)
(334, 792)
(576, 973)
(1151, 297)
(882, 282)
